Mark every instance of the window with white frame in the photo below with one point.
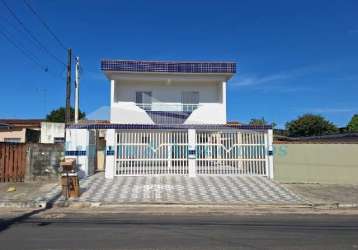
(190, 100)
(144, 99)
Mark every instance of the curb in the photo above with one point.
(80, 204)
(23, 204)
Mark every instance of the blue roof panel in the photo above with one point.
(168, 67)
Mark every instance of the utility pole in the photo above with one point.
(68, 87)
(77, 83)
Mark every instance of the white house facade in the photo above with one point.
(171, 118)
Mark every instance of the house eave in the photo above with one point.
(126, 75)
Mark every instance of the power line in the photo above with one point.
(45, 25)
(28, 5)
(22, 50)
(28, 54)
(31, 34)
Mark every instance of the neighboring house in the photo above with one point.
(20, 130)
(52, 132)
(31, 130)
(171, 118)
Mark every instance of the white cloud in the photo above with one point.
(352, 31)
(256, 80)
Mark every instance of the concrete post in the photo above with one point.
(110, 153)
(192, 152)
(270, 153)
(77, 143)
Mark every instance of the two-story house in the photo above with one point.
(171, 118)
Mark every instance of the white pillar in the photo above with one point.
(111, 112)
(270, 153)
(192, 152)
(224, 98)
(110, 153)
(76, 146)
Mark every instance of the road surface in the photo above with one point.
(143, 231)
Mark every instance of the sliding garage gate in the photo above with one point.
(163, 152)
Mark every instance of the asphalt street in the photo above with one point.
(201, 231)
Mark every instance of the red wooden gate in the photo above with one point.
(12, 162)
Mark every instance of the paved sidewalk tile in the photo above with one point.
(186, 190)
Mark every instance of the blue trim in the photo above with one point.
(110, 152)
(75, 153)
(168, 67)
(167, 127)
(192, 152)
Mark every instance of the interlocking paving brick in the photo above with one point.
(203, 189)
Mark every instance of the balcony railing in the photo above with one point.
(168, 107)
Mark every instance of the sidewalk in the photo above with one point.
(342, 195)
(28, 195)
(204, 191)
(207, 190)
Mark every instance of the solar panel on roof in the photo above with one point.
(170, 67)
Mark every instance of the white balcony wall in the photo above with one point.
(166, 91)
(166, 96)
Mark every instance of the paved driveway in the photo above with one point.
(186, 190)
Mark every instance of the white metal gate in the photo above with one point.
(231, 152)
(152, 152)
(163, 152)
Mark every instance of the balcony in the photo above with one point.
(168, 113)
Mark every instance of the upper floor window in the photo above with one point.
(143, 99)
(190, 100)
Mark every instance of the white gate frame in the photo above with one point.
(192, 154)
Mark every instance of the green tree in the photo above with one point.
(58, 115)
(260, 122)
(310, 125)
(353, 124)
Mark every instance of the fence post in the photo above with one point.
(192, 152)
(270, 153)
(28, 166)
(110, 153)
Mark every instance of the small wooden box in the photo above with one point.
(68, 165)
(73, 183)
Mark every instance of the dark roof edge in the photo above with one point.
(165, 126)
(164, 61)
(168, 67)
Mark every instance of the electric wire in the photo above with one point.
(43, 22)
(29, 32)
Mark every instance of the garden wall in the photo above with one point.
(316, 163)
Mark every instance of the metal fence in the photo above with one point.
(151, 152)
(231, 152)
(158, 152)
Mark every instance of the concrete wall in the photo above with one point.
(316, 163)
(50, 130)
(43, 161)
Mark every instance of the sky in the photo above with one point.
(293, 57)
